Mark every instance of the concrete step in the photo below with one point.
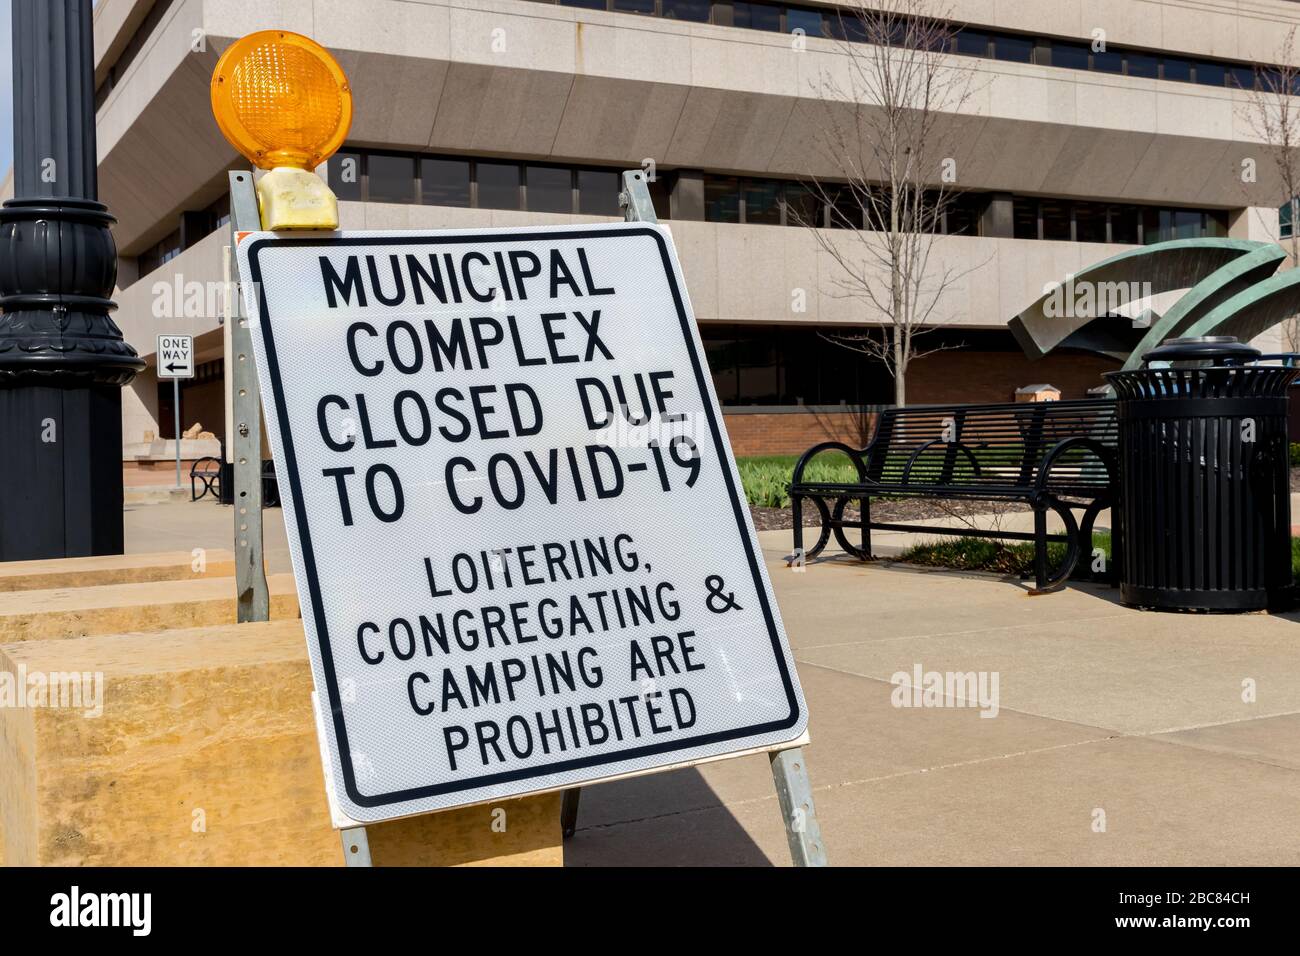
(128, 608)
(116, 569)
(155, 494)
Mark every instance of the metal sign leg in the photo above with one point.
(253, 598)
(356, 847)
(794, 791)
(569, 812)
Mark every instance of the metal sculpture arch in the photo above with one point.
(1233, 288)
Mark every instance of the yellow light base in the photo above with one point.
(296, 199)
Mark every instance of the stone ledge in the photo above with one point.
(113, 569)
(216, 720)
(122, 608)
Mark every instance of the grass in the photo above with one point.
(765, 478)
(982, 554)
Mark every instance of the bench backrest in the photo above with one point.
(992, 446)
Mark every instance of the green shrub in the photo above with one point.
(765, 479)
(1295, 454)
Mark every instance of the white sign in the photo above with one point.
(523, 554)
(175, 356)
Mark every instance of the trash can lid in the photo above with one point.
(1219, 349)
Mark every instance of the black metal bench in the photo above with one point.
(206, 470)
(1053, 456)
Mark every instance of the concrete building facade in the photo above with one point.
(473, 113)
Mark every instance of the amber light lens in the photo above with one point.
(281, 100)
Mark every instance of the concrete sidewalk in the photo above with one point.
(1122, 737)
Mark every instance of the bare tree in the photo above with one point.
(1273, 112)
(887, 109)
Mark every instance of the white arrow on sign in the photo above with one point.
(521, 547)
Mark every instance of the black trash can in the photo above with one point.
(1205, 515)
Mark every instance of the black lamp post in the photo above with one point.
(63, 361)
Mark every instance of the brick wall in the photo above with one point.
(989, 377)
(793, 432)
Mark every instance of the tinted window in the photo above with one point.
(1124, 224)
(721, 199)
(694, 10)
(549, 189)
(1210, 74)
(1024, 215)
(761, 202)
(597, 193)
(1172, 68)
(757, 17)
(1056, 218)
(802, 206)
(1216, 224)
(1112, 61)
(585, 4)
(1073, 56)
(444, 182)
(1089, 222)
(635, 6)
(1242, 76)
(845, 211)
(1015, 49)
(846, 25)
(392, 178)
(498, 185)
(810, 21)
(344, 172)
(1142, 64)
(972, 43)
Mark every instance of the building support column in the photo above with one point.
(63, 361)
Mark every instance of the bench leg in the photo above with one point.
(865, 508)
(1040, 548)
(796, 507)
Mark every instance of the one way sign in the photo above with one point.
(175, 356)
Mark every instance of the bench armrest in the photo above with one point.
(855, 455)
(1045, 464)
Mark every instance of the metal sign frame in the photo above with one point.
(789, 769)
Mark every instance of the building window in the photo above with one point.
(1123, 222)
(1024, 218)
(972, 43)
(696, 11)
(444, 182)
(721, 199)
(762, 202)
(809, 21)
(757, 16)
(1172, 68)
(1016, 49)
(1144, 65)
(598, 193)
(1073, 56)
(548, 189)
(1089, 222)
(498, 185)
(344, 174)
(1055, 216)
(1286, 217)
(390, 178)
